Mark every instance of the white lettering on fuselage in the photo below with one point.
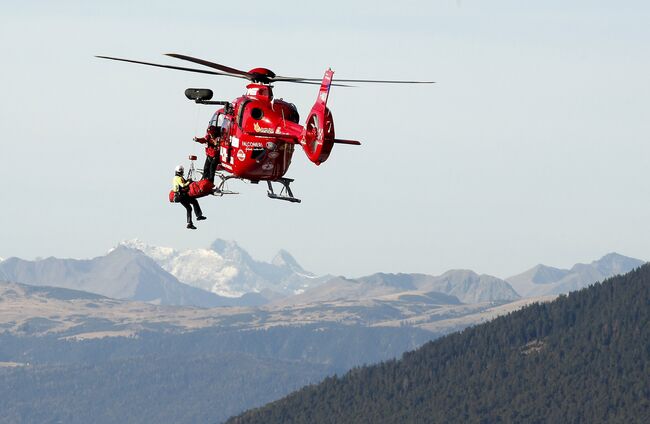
(252, 144)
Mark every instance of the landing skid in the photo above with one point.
(285, 193)
(222, 188)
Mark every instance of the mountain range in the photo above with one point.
(545, 280)
(226, 269)
(226, 275)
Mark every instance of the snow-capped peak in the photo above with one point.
(154, 252)
(284, 259)
(230, 250)
(227, 269)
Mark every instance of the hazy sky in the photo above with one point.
(532, 147)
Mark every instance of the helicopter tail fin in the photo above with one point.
(318, 136)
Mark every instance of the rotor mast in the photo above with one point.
(260, 86)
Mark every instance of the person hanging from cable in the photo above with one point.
(180, 195)
(211, 140)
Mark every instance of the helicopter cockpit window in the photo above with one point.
(225, 125)
(217, 120)
(240, 114)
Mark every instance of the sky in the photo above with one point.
(532, 146)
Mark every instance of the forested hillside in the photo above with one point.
(584, 358)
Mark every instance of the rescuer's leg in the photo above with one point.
(213, 168)
(188, 209)
(206, 168)
(197, 210)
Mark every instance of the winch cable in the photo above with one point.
(195, 131)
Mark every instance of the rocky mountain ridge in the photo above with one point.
(544, 280)
(457, 285)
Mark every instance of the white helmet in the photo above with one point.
(179, 169)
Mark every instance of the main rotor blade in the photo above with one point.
(385, 81)
(211, 65)
(234, 71)
(179, 68)
(294, 79)
(298, 79)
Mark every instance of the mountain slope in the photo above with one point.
(122, 274)
(466, 286)
(544, 280)
(470, 287)
(341, 288)
(581, 358)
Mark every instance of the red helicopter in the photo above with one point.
(258, 133)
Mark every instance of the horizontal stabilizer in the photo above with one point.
(351, 142)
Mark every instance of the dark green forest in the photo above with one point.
(583, 358)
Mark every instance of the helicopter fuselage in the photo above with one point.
(258, 135)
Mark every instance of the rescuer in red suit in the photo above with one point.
(211, 141)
